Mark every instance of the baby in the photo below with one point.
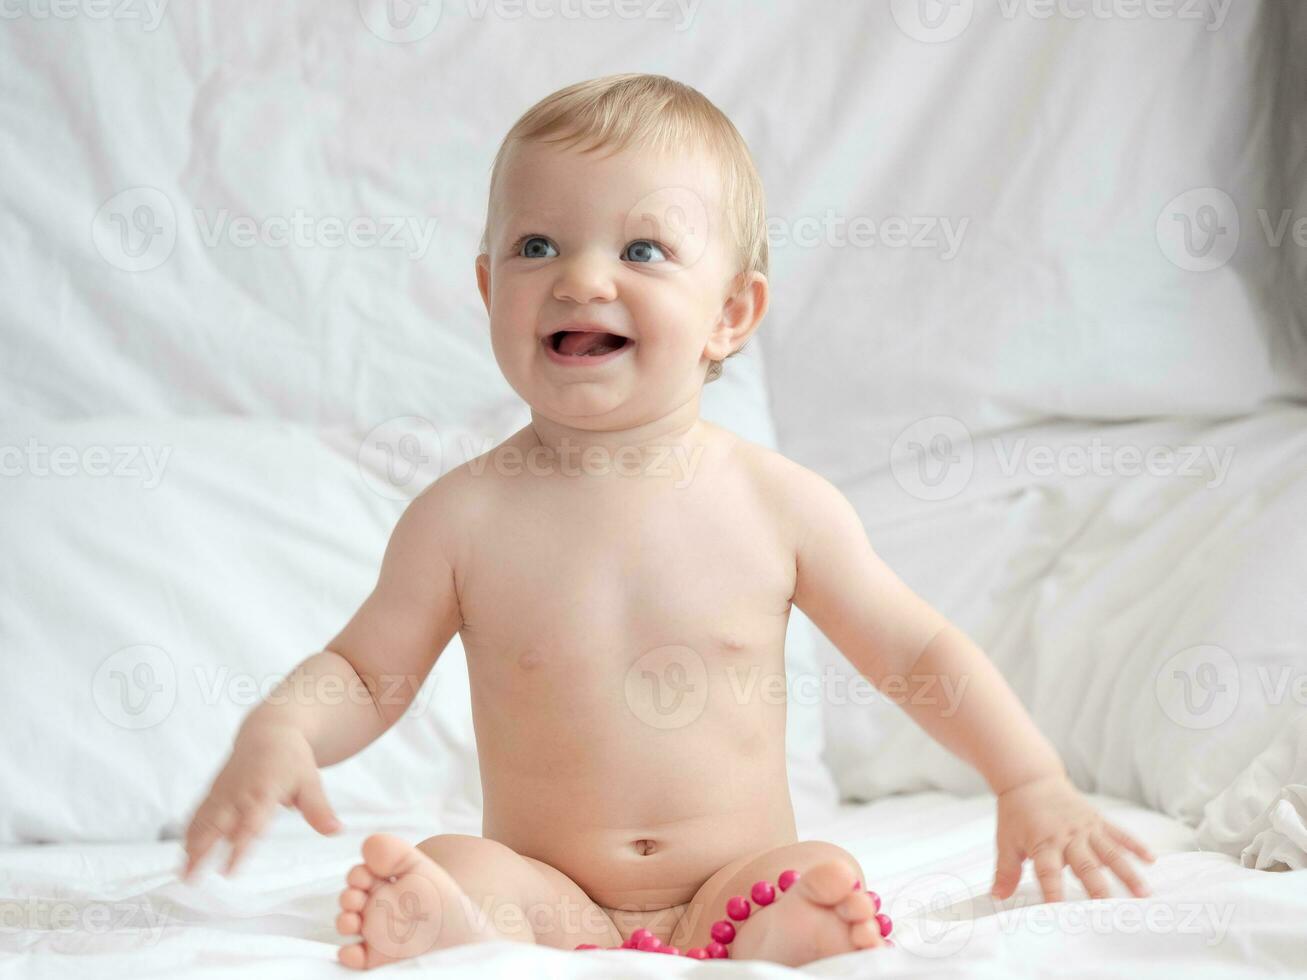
(612, 568)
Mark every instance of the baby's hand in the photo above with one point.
(268, 766)
(1049, 821)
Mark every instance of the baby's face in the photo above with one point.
(634, 243)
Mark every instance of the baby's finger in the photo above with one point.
(1008, 873)
(1048, 869)
(1116, 859)
(1127, 841)
(1084, 864)
(207, 826)
(252, 822)
(312, 802)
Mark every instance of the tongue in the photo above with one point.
(592, 344)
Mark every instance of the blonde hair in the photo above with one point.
(653, 111)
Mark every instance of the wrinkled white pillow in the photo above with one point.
(1153, 624)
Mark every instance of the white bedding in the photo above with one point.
(930, 856)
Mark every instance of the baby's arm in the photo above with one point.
(341, 699)
(890, 634)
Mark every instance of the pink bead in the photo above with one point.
(697, 953)
(723, 931)
(591, 946)
(737, 907)
(636, 936)
(648, 943)
(875, 900)
(716, 950)
(762, 892)
(857, 884)
(786, 879)
(885, 924)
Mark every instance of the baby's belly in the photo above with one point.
(622, 861)
(632, 787)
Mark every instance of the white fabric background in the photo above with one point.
(1072, 148)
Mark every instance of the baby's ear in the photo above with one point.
(483, 278)
(741, 314)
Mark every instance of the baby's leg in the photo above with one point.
(404, 901)
(822, 914)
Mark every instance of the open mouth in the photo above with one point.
(577, 343)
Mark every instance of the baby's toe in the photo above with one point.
(353, 899)
(349, 923)
(360, 877)
(387, 855)
(352, 956)
(827, 883)
(857, 907)
(865, 935)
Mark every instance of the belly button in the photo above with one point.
(645, 846)
(529, 660)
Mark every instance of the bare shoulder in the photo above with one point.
(797, 496)
(446, 513)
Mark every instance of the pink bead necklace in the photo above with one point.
(723, 930)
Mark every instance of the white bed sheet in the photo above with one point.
(117, 910)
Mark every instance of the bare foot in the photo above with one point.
(821, 915)
(402, 904)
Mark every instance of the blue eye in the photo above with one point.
(642, 248)
(529, 248)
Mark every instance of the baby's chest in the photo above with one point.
(563, 584)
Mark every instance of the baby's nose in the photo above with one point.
(584, 278)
